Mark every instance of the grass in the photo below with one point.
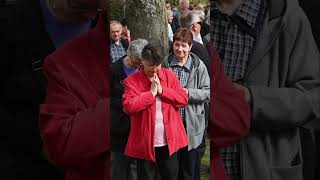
(205, 163)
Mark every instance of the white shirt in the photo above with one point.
(198, 38)
(170, 33)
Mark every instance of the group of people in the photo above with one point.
(263, 87)
(175, 17)
(157, 108)
(189, 59)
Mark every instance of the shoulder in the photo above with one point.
(73, 53)
(169, 74)
(294, 19)
(125, 43)
(167, 71)
(133, 78)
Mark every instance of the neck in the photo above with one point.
(195, 34)
(229, 7)
(182, 61)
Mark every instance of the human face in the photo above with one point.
(197, 26)
(168, 6)
(115, 31)
(181, 50)
(135, 62)
(184, 5)
(170, 18)
(150, 70)
(76, 11)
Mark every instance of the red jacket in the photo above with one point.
(139, 102)
(74, 118)
(230, 115)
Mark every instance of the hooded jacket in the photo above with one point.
(198, 87)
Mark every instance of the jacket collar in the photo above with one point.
(270, 31)
(145, 79)
(194, 57)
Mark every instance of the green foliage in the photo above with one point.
(117, 10)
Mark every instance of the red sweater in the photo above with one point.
(230, 115)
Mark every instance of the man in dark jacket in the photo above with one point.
(34, 34)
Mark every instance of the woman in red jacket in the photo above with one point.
(153, 97)
(74, 118)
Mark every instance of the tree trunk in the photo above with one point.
(147, 19)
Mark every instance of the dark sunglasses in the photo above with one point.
(200, 22)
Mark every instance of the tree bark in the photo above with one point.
(147, 19)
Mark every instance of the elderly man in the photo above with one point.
(118, 46)
(193, 21)
(41, 27)
(268, 51)
(122, 166)
(182, 11)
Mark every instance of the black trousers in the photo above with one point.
(189, 162)
(167, 166)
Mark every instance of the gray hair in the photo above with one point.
(136, 46)
(191, 18)
(115, 22)
(188, 3)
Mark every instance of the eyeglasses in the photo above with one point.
(199, 22)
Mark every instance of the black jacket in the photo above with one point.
(119, 121)
(22, 90)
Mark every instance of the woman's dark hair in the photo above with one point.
(184, 35)
(152, 55)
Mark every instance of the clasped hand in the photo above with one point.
(155, 88)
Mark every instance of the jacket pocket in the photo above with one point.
(198, 124)
(293, 172)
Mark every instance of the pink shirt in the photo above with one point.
(159, 132)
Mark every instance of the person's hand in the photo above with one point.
(245, 90)
(157, 81)
(154, 89)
